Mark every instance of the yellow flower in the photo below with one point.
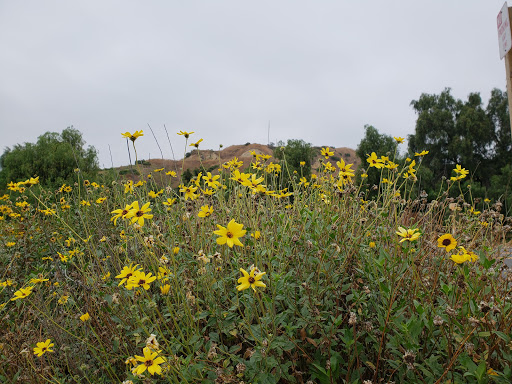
(127, 272)
(163, 273)
(43, 347)
(171, 173)
(461, 171)
(164, 289)
(399, 140)
(239, 176)
(408, 234)
(302, 163)
(128, 187)
(101, 200)
(169, 202)
(186, 134)
(189, 192)
(121, 213)
(149, 361)
(22, 293)
(464, 256)
(205, 211)
(326, 152)
(471, 256)
(196, 144)
(458, 258)
(37, 280)
(374, 161)
(256, 235)
(212, 180)
(153, 194)
(422, 153)
(10, 244)
(447, 242)
(139, 214)
(372, 244)
(85, 203)
(85, 317)
(158, 170)
(250, 280)
(133, 137)
(230, 234)
(63, 299)
(140, 279)
(175, 250)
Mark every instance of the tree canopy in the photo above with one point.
(463, 132)
(53, 158)
(295, 152)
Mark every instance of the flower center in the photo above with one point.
(139, 214)
(124, 212)
(141, 282)
(229, 234)
(148, 363)
(251, 280)
(447, 242)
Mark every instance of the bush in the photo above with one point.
(54, 158)
(247, 284)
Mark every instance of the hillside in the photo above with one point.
(209, 159)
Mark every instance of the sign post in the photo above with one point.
(505, 44)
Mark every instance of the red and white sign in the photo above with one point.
(504, 34)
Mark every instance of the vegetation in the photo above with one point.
(231, 280)
(54, 158)
(298, 155)
(467, 133)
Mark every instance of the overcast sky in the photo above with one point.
(317, 70)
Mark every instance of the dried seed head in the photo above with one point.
(438, 320)
(484, 306)
(450, 311)
(409, 357)
(352, 319)
(469, 347)
(474, 322)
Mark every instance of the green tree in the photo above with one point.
(295, 152)
(456, 132)
(53, 158)
(373, 141)
(497, 112)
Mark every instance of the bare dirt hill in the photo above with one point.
(213, 159)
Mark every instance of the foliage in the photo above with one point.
(457, 132)
(102, 283)
(295, 152)
(54, 158)
(373, 141)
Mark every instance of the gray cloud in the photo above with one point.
(318, 71)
